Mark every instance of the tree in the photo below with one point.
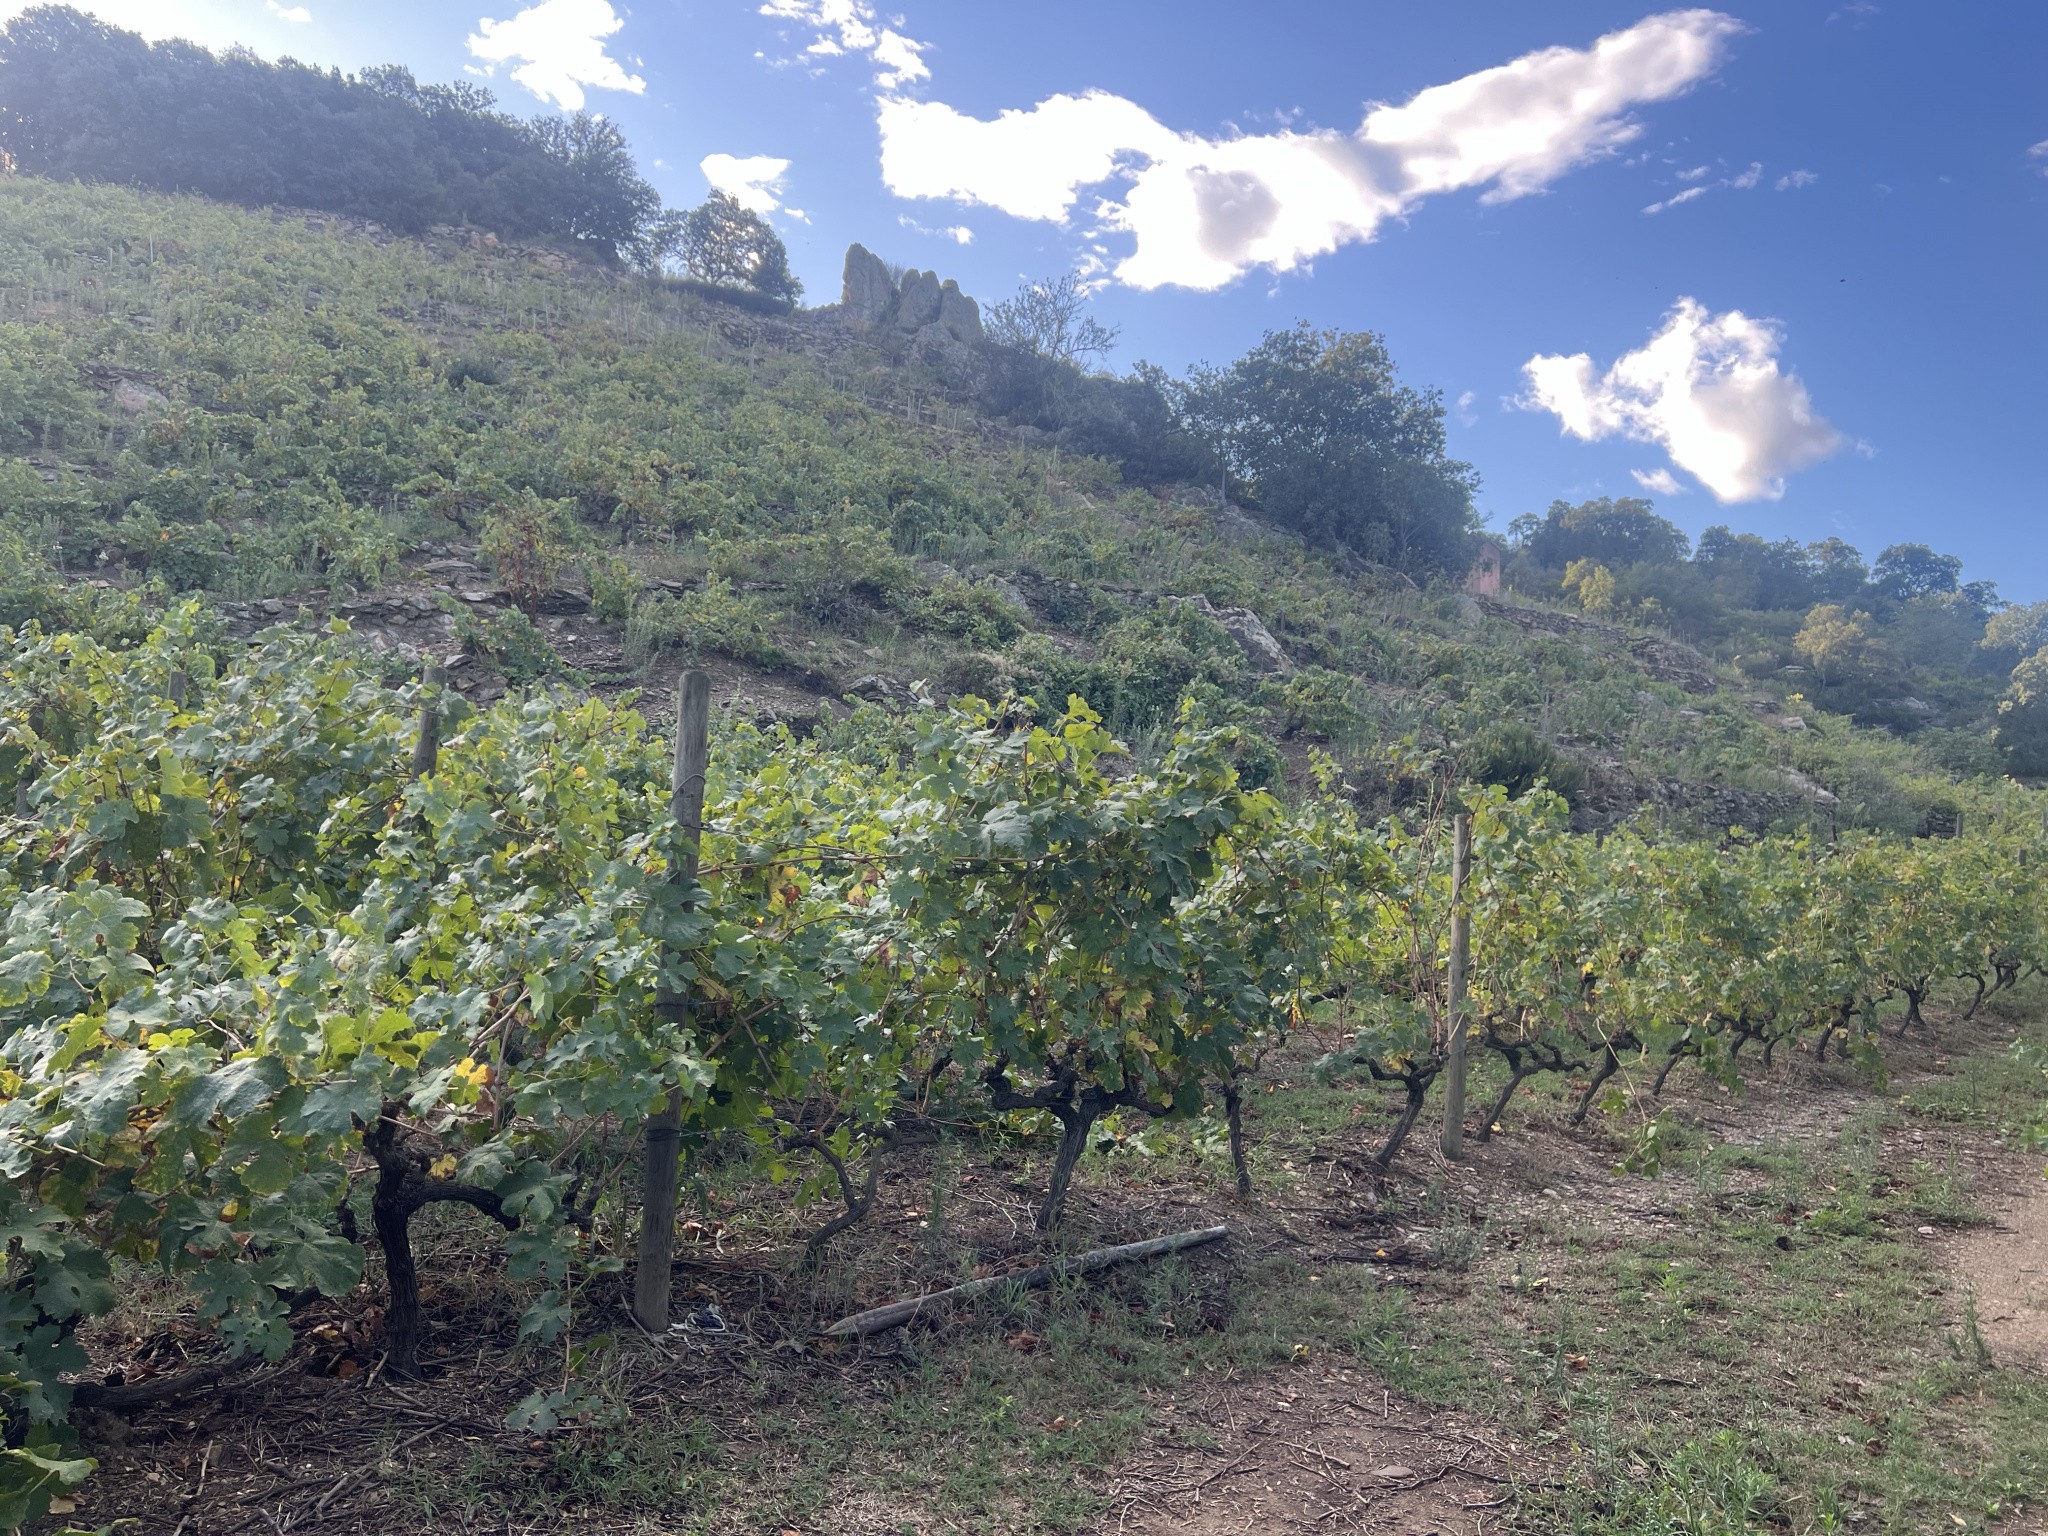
(1045, 319)
(2019, 630)
(1838, 570)
(599, 197)
(1611, 531)
(1592, 584)
(720, 241)
(1907, 571)
(1835, 639)
(89, 102)
(1320, 435)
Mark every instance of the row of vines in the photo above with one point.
(256, 968)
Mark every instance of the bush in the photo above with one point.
(1516, 758)
(713, 619)
(508, 640)
(531, 543)
(977, 613)
(474, 370)
(1315, 702)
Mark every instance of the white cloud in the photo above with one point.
(560, 49)
(295, 13)
(1744, 182)
(1708, 389)
(1467, 417)
(959, 234)
(1792, 181)
(1660, 482)
(1203, 211)
(1682, 197)
(755, 180)
(854, 27)
(2040, 152)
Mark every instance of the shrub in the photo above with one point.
(713, 619)
(1516, 758)
(531, 543)
(474, 370)
(1315, 702)
(508, 640)
(977, 613)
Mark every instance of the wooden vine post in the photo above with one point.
(1461, 959)
(652, 1273)
(426, 749)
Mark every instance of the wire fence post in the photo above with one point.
(426, 751)
(1461, 957)
(652, 1273)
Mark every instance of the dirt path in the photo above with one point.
(1323, 1453)
(2005, 1267)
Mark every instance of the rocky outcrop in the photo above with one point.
(866, 293)
(943, 323)
(918, 301)
(1248, 630)
(959, 315)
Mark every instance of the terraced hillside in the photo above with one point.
(540, 466)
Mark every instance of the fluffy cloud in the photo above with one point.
(1659, 481)
(2040, 152)
(754, 180)
(1792, 181)
(1707, 389)
(843, 27)
(559, 46)
(1202, 211)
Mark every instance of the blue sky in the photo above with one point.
(1833, 322)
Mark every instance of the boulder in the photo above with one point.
(1249, 631)
(917, 305)
(867, 294)
(137, 398)
(959, 314)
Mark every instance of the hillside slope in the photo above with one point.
(501, 453)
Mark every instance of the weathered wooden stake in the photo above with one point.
(1461, 957)
(652, 1273)
(426, 752)
(896, 1313)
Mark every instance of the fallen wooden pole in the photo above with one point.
(896, 1313)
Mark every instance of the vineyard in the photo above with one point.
(297, 939)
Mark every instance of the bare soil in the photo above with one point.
(324, 1442)
(1335, 1452)
(2004, 1268)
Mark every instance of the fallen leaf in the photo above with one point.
(1395, 1474)
(63, 1506)
(1024, 1341)
(1576, 1362)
